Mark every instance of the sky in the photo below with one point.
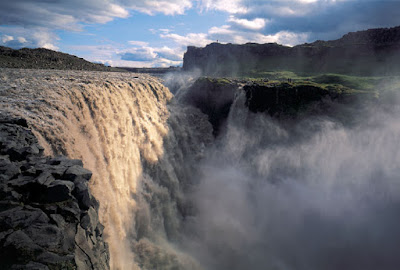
(150, 33)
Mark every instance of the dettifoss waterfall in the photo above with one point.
(307, 194)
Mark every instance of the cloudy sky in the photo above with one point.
(146, 33)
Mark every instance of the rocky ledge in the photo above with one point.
(281, 100)
(48, 218)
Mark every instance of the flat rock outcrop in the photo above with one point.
(48, 218)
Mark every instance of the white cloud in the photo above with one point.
(45, 39)
(168, 7)
(255, 24)
(192, 39)
(229, 34)
(165, 52)
(22, 40)
(230, 6)
(137, 57)
(223, 30)
(138, 54)
(119, 55)
(38, 37)
(149, 54)
(165, 31)
(6, 38)
(138, 43)
(48, 16)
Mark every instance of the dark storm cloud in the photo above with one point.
(57, 14)
(323, 19)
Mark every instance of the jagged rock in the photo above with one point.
(19, 248)
(54, 260)
(45, 207)
(56, 170)
(8, 170)
(82, 193)
(77, 171)
(64, 161)
(45, 178)
(21, 182)
(70, 211)
(59, 191)
(22, 217)
(90, 220)
(85, 255)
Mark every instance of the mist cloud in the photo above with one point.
(312, 194)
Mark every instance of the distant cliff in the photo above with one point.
(370, 52)
(41, 58)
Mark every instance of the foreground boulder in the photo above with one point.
(48, 218)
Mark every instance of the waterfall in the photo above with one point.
(118, 125)
(315, 191)
(311, 192)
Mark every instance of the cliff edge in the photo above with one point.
(48, 218)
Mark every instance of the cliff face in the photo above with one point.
(281, 100)
(48, 218)
(371, 52)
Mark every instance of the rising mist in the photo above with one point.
(311, 193)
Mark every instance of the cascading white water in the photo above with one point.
(306, 193)
(117, 125)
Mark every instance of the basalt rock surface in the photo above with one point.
(48, 218)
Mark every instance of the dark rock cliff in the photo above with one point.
(215, 96)
(48, 218)
(371, 52)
